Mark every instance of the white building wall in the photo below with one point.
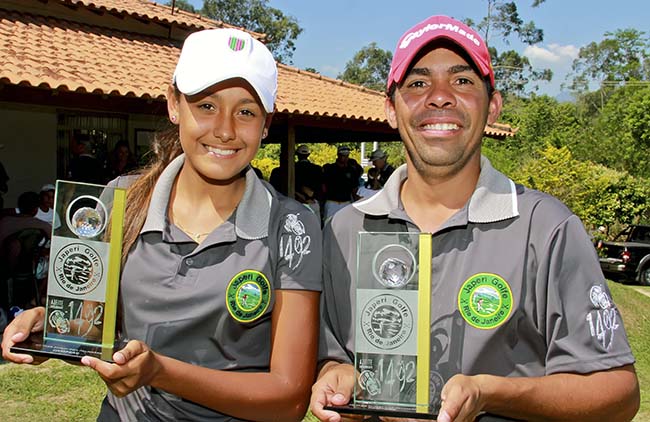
(28, 136)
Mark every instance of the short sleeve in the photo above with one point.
(336, 324)
(584, 329)
(299, 250)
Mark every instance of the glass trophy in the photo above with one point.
(392, 326)
(83, 275)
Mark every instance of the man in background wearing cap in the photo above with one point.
(378, 158)
(551, 344)
(341, 181)
(46, 207)
(309, 180)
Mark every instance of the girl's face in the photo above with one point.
(220, 128)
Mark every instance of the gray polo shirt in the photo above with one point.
(555, 315)
(211, 304)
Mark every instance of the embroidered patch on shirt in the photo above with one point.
(294, 242)
(485, 301)
(603, 320)
(248, 295)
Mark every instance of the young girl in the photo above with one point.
(221, 277)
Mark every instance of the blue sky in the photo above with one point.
(334, 30)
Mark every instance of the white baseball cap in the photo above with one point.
(215, 55)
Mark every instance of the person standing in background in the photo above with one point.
(121, 160)
(46, 211)
(378, 158)
(84, 166)
(309, 180)
(341, 181)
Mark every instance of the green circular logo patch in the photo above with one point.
(248, 295)
(485, 301)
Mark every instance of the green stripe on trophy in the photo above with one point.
(113, 276)
(424, 324)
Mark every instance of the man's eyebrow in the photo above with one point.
(421, 71)
(424, 71)
(461, 68)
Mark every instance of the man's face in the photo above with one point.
(440, 110)
(47, 199)
(379, 163)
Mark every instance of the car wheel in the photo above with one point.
(644, 277)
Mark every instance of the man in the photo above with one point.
(341, 181)
(20, 235)
(85, 167)
(25, 219)
(309, 180)
(546, 356)
(46, 206)
(378, 158)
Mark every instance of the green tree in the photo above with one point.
(369, 67)
(513, 73)
(256, 15)
(622, 56)
(181, 4)
(621, 132)
(596, 194)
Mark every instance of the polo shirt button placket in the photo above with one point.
(189, 262)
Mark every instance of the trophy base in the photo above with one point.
(36, 345)
(378, 410)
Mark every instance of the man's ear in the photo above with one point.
(494, 108)
(389, 109)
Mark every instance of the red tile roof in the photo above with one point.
(157, 12)
(54, 53)
(47, 52)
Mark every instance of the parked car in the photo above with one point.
(627, 257)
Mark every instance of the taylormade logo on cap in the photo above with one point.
(432, 27)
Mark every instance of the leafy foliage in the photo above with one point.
(513, 73)
(622, 131)
(596, 194)
(621, 56)
(369, 67)
(256, 15)
(181, 4)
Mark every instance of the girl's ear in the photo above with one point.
(172, 104)
(267, 125)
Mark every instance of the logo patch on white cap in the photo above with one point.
(236, 44)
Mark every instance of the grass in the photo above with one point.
(52, 391)
(59, 391)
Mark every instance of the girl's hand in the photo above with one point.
(134, 366)
(29, 321)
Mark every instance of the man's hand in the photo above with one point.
(461, 400)
(334, 388)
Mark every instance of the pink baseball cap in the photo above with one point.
(434, 28)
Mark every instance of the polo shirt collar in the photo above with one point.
(251, 216)
(493, 199)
